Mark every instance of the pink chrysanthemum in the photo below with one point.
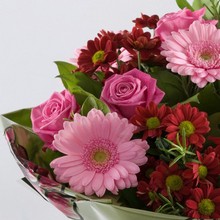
(100, 154)
(194, 52)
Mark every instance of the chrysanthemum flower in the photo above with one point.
(204, 204)
(148, 48)
(206, 171)
(148, 168)
(165, 177)
(215, 149)
(191, 120)
(99, 154)
(146, 21)
(147, 193)
(150, 119)
(99, 53)
(195, 53)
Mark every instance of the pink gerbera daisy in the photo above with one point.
(99, 153)
(195, 53)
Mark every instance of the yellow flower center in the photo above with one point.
(188, 127)
(206, 207)
(174, 182)
(153, 122)
(203, 171)
(100, 156)
(98, 56)
(206, 55)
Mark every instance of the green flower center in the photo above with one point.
(203, 171)
(174, 182)
(100, 156)
(206, 207)
(153, 122)
(188, 127)
(151, 196)
(98, 56)
(206, 55)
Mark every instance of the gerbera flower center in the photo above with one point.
(100, 155)
(98, 56)
(153, 122)
(206, 207)
(174, 182)
(188, 128)
(203, 171)
(204, 54)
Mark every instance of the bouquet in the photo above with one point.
(136, 130)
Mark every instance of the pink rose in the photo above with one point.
(122, 93)
(47, 118)
(179, 20)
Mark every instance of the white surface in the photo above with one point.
(33, 34)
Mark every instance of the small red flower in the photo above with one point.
(165, 177)
(147, 168)
(115, 38)
(148, 48)
(100, 52)
(204, 203)
(191, 120)
(146, 21)
(147, 193)
(206, 171)
(150, 119)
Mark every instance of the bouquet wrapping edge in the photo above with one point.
(73, 205)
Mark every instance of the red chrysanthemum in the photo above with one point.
(150, 119)
(206, 171)
(147, 168)
(165, 177)
(116, 38)
(148, 48)
(189, 119)
(204, 203)
(146, 21)
(100, 52)
(147, 193)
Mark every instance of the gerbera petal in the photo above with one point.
(88, 177)
(130, 167)
(97, 182)
(109, 182)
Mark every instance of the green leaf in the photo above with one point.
(193, 99)
(21, 117)
(80, 94)
(171, 84)
(65, 69)
(208, 100)
(198, 4)
(78, 82)
(92, 102)
(128, 197)
(214, 120)
(184, 4)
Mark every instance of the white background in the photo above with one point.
(34, 34)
